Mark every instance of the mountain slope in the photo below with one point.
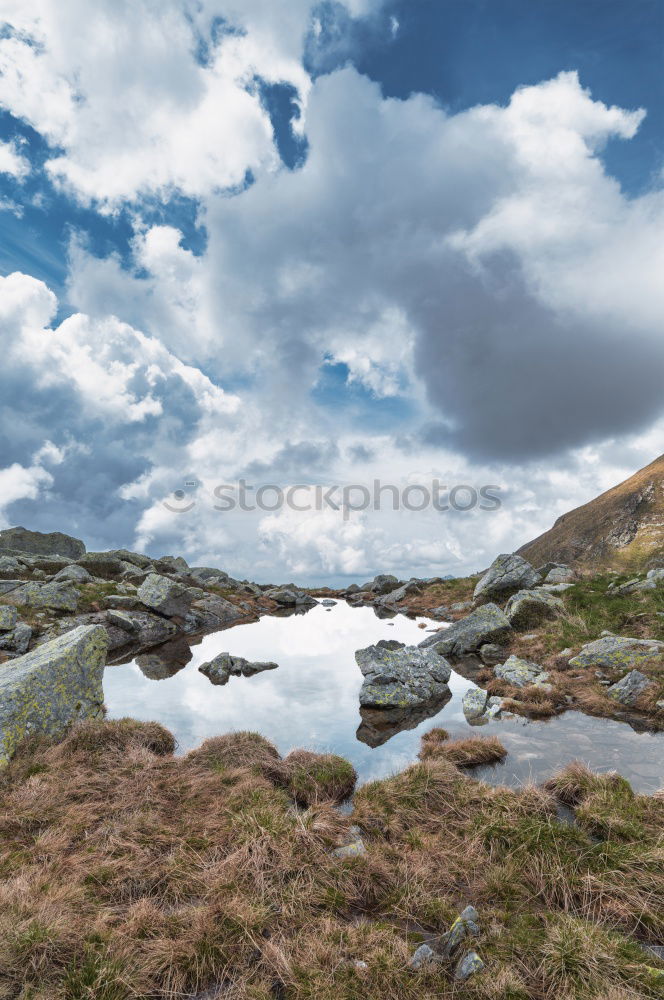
(623, 528)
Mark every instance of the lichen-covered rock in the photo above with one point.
(469, 964)
(520, 672)
(629, 688)
(135, 558)
(168, 597)
(8, 617)
(507, 573)
(74, 574)
(47, 689)
(398, 676)
(123, 620)
(224, 666)
(491, 654)
(10, 567)
(17, 641)
(474, 703)
(211, 612)
(382, 584)
(288, 597)
(394, 596)
(560, 574)
(171, 564)
(103, 564)
(39, 543)
(55, 595)
(466, 924)
(486, 624)
(528, 608)
(353, 846)
(423, 955)
(616, 652)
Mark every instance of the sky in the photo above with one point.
(286, 243)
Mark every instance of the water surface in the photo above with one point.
(311, 701)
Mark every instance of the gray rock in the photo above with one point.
(56, 596)
(466, 924)
(122, 602)
(441, 613)
(486, 624)
(19, 639)
(289, 597)
(102, 564)
(629, 688)
(123, 620)
(353, 846)
(555, 588)
(135, 558)
(544, 570)
(474, 703)
(520, 672)
(208, 574)
(10, 567)
(53, 543)
(8, 618)
(38, 574)
(507, 573)
(398, 676)
(224, 666)
(45, 690)
(617, 652)
(165, 596)
(171, 564)
(424, 955)
(353, 589)
(328, 603)
(560, 574)
(460, 606)
(394, 596)
(211, 612)
(527, 608)
(468, 966)
(656, 574)
(73, 573)
(166, 660)
(491, 654)
(8, 586)
(382, 584)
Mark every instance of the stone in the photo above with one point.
(20, 638)
(327, 603)
(560, 574)
(165, 596)
(171, 564)
(289, 597)
(528, 608)
(135, 558)
(224, 666)
(617, 652)
(458, 607)
(39, 543)
(424, 955)
(102, 564)
(122, 602)
(507, 574)
(630, 688)
(441, 613)
(56, 595)
(491, 654)
(487, 624)
(474, 703)
(555, 588)
(10, 567)
(394, 596)
(468, 966)
(8, 618)
(353, 846)
(656, 574)
(46, 690)
(207, 574)
(211, 612)
(520, 672)
(382, 584)
(398, 676)
(73, 573)
(123, 620)
(467, 923)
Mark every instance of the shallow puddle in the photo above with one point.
(311, 701)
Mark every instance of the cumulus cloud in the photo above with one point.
(12, 162)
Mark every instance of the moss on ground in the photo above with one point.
(128, 873)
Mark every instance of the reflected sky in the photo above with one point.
(311, 701)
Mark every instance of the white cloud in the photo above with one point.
(12, 162)
(18, 482)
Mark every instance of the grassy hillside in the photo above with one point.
(623, 528)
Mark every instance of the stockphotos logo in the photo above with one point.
(347, 498)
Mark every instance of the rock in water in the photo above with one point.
(630, 688)
(47, 689)
(398, 676)
(166, 596)
(487, 624)
(507, 574)
(224, 666)
(51, 544)
(614, 651)
(475, 703)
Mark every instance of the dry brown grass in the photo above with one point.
(126, 874)
(471, 752)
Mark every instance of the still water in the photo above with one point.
(311, 701)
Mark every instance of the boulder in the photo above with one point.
(18, 640)
(47, 689)
(507, 574)
(288, 597)
(382, 584)
(398, 676)
(211, 612)
(208, 574)
(491, 654)
(520, 672)
(123, 620)
(423, 955)
(74, 574)
(165, 596)
(528, 608)
(400, 594)
(39, 543)
(8, 618)
(224, 666)
(10, 567)
(615, 652)
(474, 703)
(103, 564)
(56, 595)
(468, 965)
(171, 564)
(135, 558)
(630, 688)
(467, 923)
(560, 574)
(487, 624)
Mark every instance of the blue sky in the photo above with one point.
(393, 238)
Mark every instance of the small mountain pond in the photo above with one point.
(311, 701)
